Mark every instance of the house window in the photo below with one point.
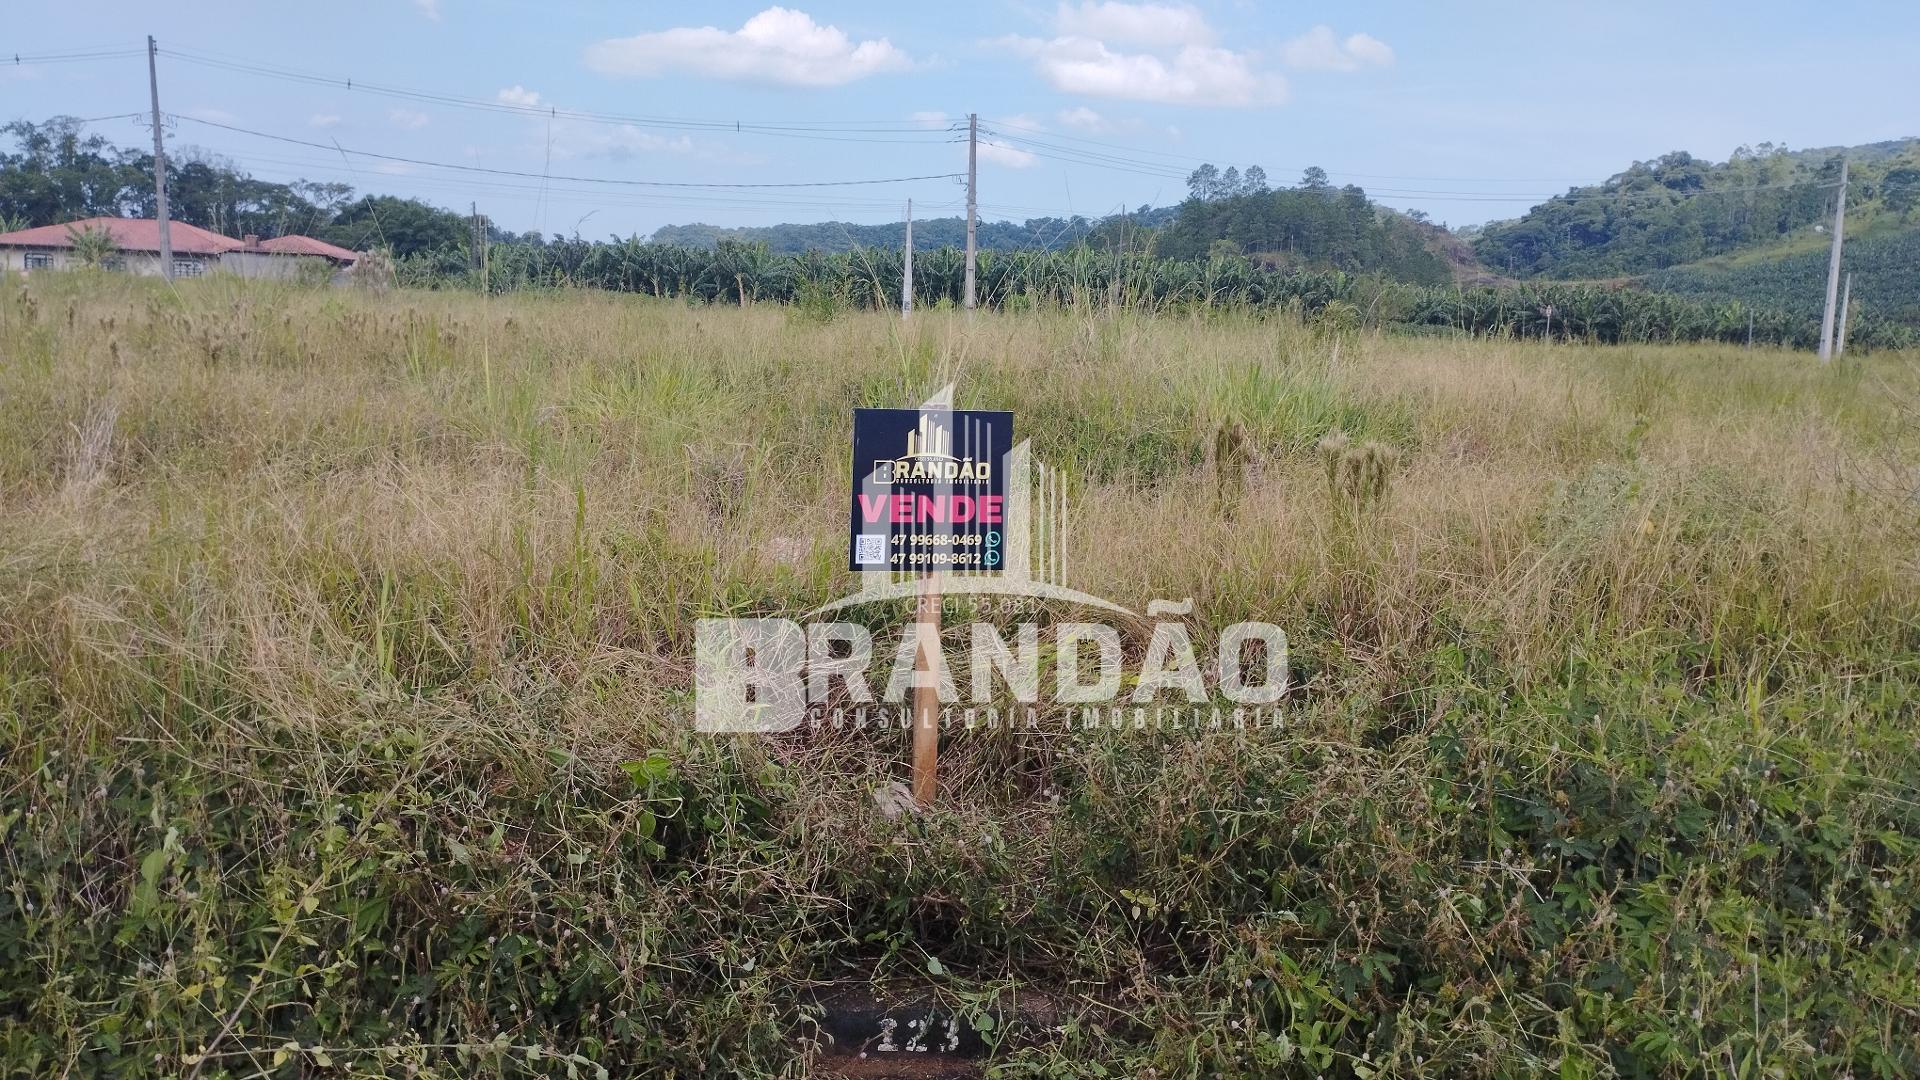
(39, 260)
(188, 268)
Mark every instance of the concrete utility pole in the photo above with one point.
(906, 276)
(1846, 303)
(479, 228)
(973, 175)
(1833, 264)
(159, 163)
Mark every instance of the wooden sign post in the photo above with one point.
(926, 692)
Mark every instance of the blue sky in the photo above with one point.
(1470, 111)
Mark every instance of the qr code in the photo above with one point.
(870, 550)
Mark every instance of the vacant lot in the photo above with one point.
(345, 648)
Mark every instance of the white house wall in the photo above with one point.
(247, 264)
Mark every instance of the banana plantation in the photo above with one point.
(822, 283)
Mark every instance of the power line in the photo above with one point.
(570, 179)
(1126, 159)
(1131, 159)
(280, 169)
(539, 110)
(22, 59)
(831, 131)
(865, 128)
(115, 116)
(466, 186)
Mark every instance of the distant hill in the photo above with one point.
(1752, 229)
(1313, 226)
(1679, 209)
(1046, 234)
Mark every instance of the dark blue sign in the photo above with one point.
(929, 489)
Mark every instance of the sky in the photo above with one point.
(576, 117)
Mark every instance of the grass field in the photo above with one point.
(345, 648)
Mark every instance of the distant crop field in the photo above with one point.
(346, 648)
(1885, 265)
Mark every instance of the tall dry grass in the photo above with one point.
(345, 637)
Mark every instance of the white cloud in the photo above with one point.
(324, 120)
(932, 121)
(578, 139)
(1001, 154)
(1192, 75)
(614, 143)
(1083, 118)
(1319, 50)
(217, 116)
(1155, 52)
(429, 8)
(1369, 50)
(1024, 122)
(518, 95)
(778, 45)
(408, 119)
(1135, 24)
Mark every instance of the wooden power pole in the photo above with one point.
(159, 163)
(973, 176)
(1833, 265)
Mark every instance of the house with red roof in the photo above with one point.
(195, 250)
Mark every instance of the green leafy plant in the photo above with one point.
(93, 247)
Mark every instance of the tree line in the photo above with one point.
(1042, 234)
(56, 173)
(1326, 252)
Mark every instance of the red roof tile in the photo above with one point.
(307, 245)
(129, 234)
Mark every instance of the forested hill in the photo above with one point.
(1313, 225)
(1044, 234)
(1680, 209)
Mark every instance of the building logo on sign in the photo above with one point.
(929, 458)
